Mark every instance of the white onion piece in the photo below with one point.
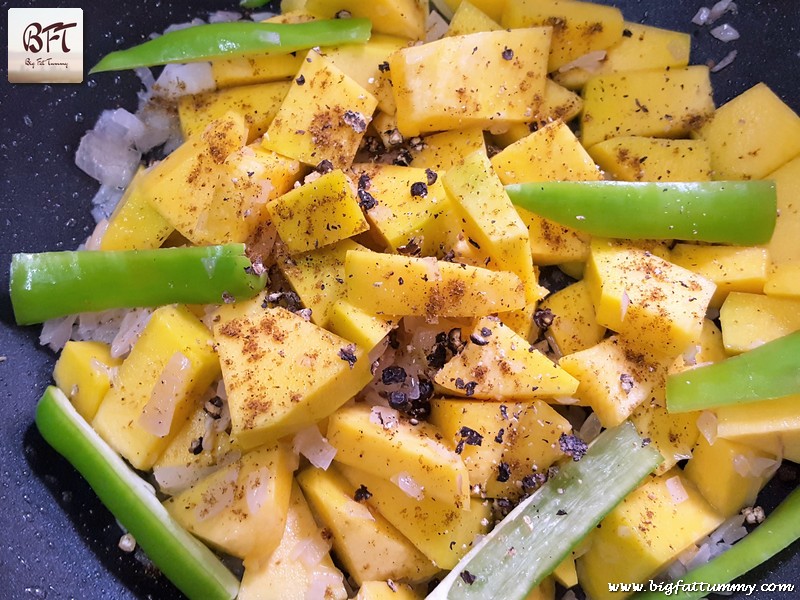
(435, 28)
(701, 17)
(310, 443)
(701, 557)
(322, 582)
(721, 8)
(590, 429)
(104, 202)
(181, 80)
(591, 62)
(727, 60)
(624, 304)
(727, 530)
(387, 417)
(310, 551)
(174, 479)
(676, 490)
(131, 328)
(261, 16)
(257, 489)
(707, 425)
(185, 25)
(224, 16)
(763, 467)
(219, 495)
(56, 332)
(159, 411)
(725, 33)
(408, 485)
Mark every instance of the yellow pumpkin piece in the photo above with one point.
(492, 8)
(281, 372)
(257, 103)
(673, 435)
(752, 135)
(578, 27)
(135, 224)
(395, 285)
(783, 281)
(83, 372)
(710, 349)
(731, 268)
(640, 47)
(404, 18)
(546, 590)
(468, 18)
(378, 440)
(440, 530)
(574, 326)
(284, 576)
(633, 158)
(656, 305)
(657, 102)
(323, 117)
(647, 530)
(565, 573)
(521, 322)
(174, 360)
(772, 426)
(615, 379)
(456, 82)
(364, 330)
(728, 474)
(443, 151)
(363, 62)
(750, 320)
(241, 508)
(319, 213)
(367, 545)
(386, 590)
(783, 247)
(553, 243)
(498, 364)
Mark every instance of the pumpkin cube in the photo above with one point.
(404, 18)
(83, 372)
(468, 18)
(634, 158)
(364, 330)
(673, 435)
(783, 281)
(442, 151)
(783, 247)
(750, 320)
(772, 426)
(574, 326)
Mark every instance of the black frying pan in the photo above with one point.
(57, 540)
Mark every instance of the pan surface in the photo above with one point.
(58, 541)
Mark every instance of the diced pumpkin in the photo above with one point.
(728, 474)
(135, 224)
(521, 322)
(468, 18)
(633, 158)
(172, 331)
(490, 220)
(378, 441)
(673, 435)
(440, 530)
(553, 243)
(404, 18)
(455, 82)
(658, 102)
(615, 379)
(385, 590)
(284, 576)
(640, 47)
(442, 151)
(565, 573)
(353, 324)
(498, 364)
(83, 373)
(752, 135)
(578, 27)
(323, 117)
(731, 268)
(783, 281)
(772, 426)
(492, 8)
(319, 213)
(241, 508)
(367, 545)
(388, 284)
(281, 372)
(656, 305)
(257, 103)
(648, 529)
(710, 349)
(750, 320)
(574, 326)
(783, 247)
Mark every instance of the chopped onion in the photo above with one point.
(185, 25)
(727, 60)
(707, 425)
(701, 18)
(261, 16)
(591, 62)
(590, 429)
(174, 479)
(725, 33)
(384, 416)
(182, 80)
(624, 304)
(322, 581)
(56, 332)
(701, 557)
(721, 8)
(159, 411)
(108, 152)
(127, 543)
(676, 490)
(132, 326)
(219, 495)
(310, 551)
(224, 16)
(436, 27)
(103, 204)
(407, 484)
(310, 443)
(257, 489)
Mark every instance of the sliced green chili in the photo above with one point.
(536, 536)
(56, 284)
(767, 372)
(228, 40)
(190, 565)
(731, 212)
(778, 531)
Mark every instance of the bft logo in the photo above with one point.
(45, 45)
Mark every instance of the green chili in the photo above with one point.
(769, 371)
(778, 531)
(55, 284)
(229, 40)
(732, 212)
(539, 533)
(192, 567)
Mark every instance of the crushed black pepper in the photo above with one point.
(196, 447)
(454, 341)
(469, 389)
(499, 437)
(508, 53)
(573, 446)
(393, 374)
(398, 399)
(468, 577)
(324, 166)
(383, 67)
(355, 120)
(626, 382)
(362, 494)
(503, 472)
(348, 354)
(419, 189)
(431, 175)
(366, 200)
(543, 317)
(300, 80)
